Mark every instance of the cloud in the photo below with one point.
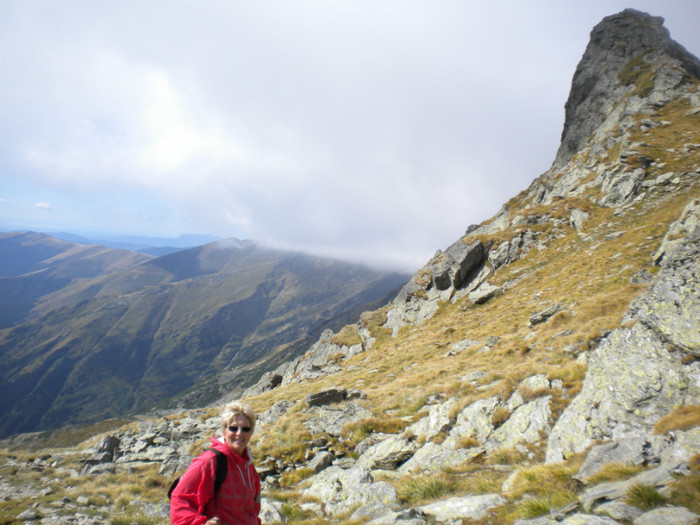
(363, 130)
(43, 206)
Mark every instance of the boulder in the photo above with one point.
(342, 490)
(465, 507)
(331, 419)
(388, 454)
(667, 516)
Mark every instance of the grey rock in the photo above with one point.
(484, 293)
(270, 512)
(615, 490)
(271, 415)
(331, 419)
(597, 87)
(320, 461)
(621, 399)
(470, 507)
(342, 490)
(668, 516)
(671, 307)
(458, 261)
(327, 396)
(618, 510)
(437, 421)
(433, 457)
(628, 451)
(526, 424)
(388, 454)
(542, 316)
(474, 421)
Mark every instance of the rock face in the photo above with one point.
(639, 374)
(617, 55)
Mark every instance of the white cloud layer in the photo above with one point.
(373, 131)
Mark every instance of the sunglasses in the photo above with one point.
(233, 430)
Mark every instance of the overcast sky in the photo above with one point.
(374, 131)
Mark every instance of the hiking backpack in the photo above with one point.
(221, 470)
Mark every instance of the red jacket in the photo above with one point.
(238, 500)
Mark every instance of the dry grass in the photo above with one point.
(683, 418)
(614, 472)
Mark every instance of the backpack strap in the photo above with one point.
(221, 469)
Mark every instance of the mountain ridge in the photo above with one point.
(148, 331)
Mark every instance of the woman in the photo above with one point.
(194, 500)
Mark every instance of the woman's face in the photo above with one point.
(238, 439)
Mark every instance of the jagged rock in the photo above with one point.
(378, 514)
(330, 420)
(671, 306)
(575, 519)
(320, 461)
(270, 512)
(437, 421)
(275, 412)
(597, 86)
(541, 317)
(615, 490)
(433, 457)
(667, 516)
(509, 251)
(618, 511)
(454, 266)
(627, 451)
(474, 421)
(483, 293)
(524, 425)
(327, 396)
(466, 507)
(633, 379)
(577, 218)
(341, 490)
(387, 454)
(620, 398)
(460, 267)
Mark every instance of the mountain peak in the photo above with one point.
(629, 54)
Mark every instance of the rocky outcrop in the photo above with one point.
(631, 55)
(639, 374)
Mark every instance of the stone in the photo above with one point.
(628, 451)
(526, 424)
(484, 293)
(618, 510)
(320, 461)
(541, 317)
(437, 421)
(342, 490)
(621, 399)
(667, 516)
(388, 454)
(615, 490)
(327, 396)
(270, 512)
(331, 419)
(464, 507)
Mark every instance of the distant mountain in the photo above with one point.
(33, 265)
(91, 332)
(149, 245)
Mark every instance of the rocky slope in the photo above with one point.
(543, 369)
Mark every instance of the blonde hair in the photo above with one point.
(234, 409)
